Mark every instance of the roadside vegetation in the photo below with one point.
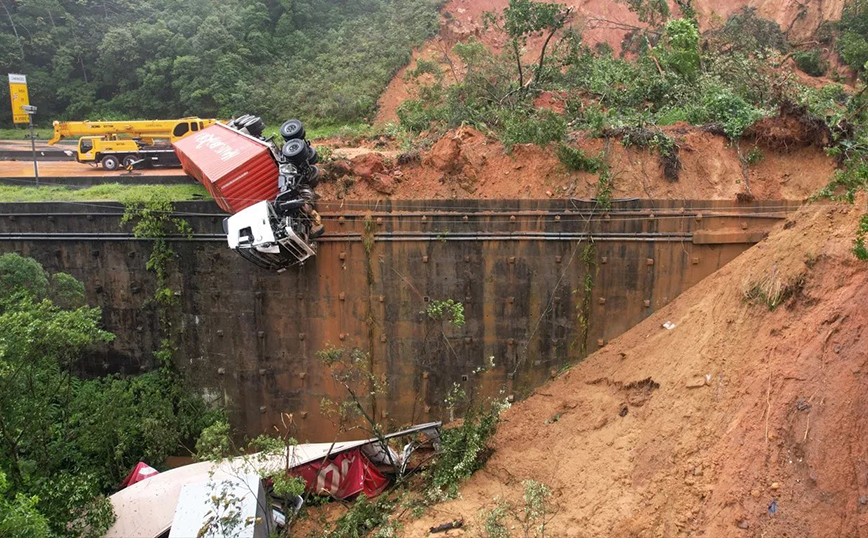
(322, 60)
(108, 192)
(68, 441)
(725, 80)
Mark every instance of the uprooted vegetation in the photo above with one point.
(773, 289)
(734, 80)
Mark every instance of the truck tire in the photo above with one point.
(295, 151)
(255, 126)
(129, 159)
(110, 163)
(313, 178)
(312, 155)
(292, 129)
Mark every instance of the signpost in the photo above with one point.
(22, 111)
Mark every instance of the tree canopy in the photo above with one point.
(65, 441)
(326, 61)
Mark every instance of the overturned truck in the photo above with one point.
(267, 189)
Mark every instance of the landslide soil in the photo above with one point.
(599, 21)
(465, 163)
(740, 421)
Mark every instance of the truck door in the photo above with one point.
(85, 145)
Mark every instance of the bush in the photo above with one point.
(811, 62)
(463, 449)
(853, 49)
(679, 48)
(540, 127)
(746, 33)
(576, 159)
(852, 44)
(417, 115)
(732, 112)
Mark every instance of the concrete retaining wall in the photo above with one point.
(250, 338)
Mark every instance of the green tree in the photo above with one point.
(65, 442)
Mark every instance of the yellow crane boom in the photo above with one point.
(127, 144)
(150, 130)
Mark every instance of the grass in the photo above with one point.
(21, 133)
(773, 290)
(107, 192)
(351, 130)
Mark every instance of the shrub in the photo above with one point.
(859, 248)
(463, 449)
(732, 112)
(679, 48)
(540, 127)
(417, 115)
(364, 516)
(853, 49)
(852, 44)
(747, 33)
(576, 159)
(754, 156)
(811, 62)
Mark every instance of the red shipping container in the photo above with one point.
(238, 170)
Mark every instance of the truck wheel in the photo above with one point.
(312, 155)
(313, 178)
(129, 160)
(110, 163)
(255, 126)
(295, 151)
(292, 129)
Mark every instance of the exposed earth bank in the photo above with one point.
(599, 21)
(740, 421)
(465, 163)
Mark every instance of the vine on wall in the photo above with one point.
(153, 217)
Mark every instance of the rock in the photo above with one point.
(549, 194)
(382, 183)
(367, 165)
(775, 486)
(445, 155)
(743, 524)
(696, 382)
(755, 493)
(338, 168)
(863, 500)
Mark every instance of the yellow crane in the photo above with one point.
(115, 143)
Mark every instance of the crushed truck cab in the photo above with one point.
(268, 190)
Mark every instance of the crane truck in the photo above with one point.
(113, 144)
(268, 188)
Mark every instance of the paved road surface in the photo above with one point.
(74, 169)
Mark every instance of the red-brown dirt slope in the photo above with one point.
(467, 164)
(599, 21)
(740, 421)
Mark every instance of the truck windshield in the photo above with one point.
(181, 129)
(85, 145)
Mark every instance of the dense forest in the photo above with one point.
(324, 60)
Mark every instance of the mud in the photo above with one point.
(599, 21)
(466, 163)
(756, 427)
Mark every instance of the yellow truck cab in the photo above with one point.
(128, 143)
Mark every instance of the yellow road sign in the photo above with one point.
(18, 92)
